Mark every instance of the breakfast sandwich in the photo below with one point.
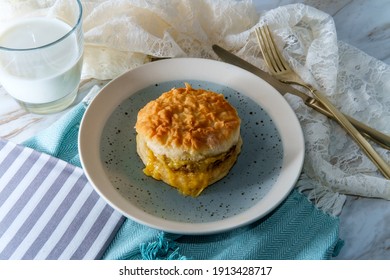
(188, 138)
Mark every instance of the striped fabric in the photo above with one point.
(48, 210)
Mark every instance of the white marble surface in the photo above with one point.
(361, 23)
(365, 223)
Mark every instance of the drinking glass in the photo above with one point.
(41, 55)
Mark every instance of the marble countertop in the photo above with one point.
(360, 23)
(364, 223)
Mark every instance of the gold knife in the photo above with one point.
(380, 138)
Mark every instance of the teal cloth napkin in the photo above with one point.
(295, 230)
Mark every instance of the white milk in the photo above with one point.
(43, 75)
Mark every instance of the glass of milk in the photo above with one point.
(41, 54)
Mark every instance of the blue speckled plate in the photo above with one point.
(265, 172)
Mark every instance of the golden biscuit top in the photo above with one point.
(189, 119)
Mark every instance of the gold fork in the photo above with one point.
(280, 68)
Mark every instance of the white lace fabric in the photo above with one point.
(123, 34)
(356, 83)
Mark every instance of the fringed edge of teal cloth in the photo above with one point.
(161, 249)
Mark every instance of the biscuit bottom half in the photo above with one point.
(190, 178)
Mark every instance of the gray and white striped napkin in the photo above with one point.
(48, 210)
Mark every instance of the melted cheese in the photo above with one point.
(187, 183)
(190, 178)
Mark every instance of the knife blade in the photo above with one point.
(226, 56)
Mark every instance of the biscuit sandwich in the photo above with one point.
(188, 138)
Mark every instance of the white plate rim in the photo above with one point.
(111, 95)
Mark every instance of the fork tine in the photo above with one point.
(270, 52)
(274, 50)
(265, 50)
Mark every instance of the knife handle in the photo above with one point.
(378, 137)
